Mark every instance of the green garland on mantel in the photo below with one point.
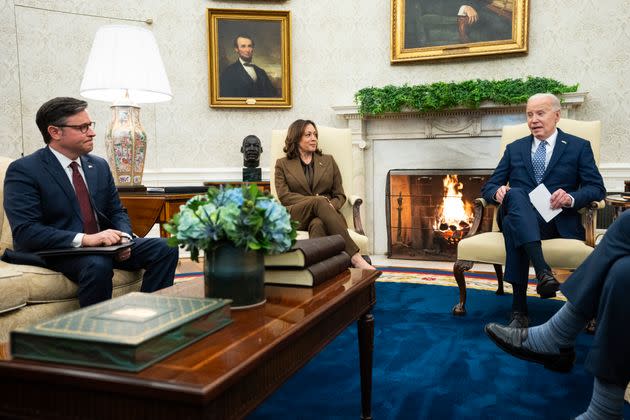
(444, 95)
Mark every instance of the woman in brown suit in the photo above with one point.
(309, 185)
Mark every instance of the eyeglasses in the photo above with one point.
(83, 128)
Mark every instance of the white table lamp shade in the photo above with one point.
(125, 67)
(125, 59)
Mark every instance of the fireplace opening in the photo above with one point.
(429, 211)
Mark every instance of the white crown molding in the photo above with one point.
(614, 175)
(193, 176)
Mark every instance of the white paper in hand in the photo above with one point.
(541, 199)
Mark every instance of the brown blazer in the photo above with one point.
(291, 185)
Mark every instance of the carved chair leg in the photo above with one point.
(498, 268)
(590, 327)
(459, 268)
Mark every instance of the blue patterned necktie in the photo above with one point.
(538, 161)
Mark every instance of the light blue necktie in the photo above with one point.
(538, 161)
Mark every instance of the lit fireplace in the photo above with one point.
(454, 216)
(430, 211)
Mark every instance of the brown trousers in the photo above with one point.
(320, 219)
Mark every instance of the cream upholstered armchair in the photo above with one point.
(338, 143)
(488, 247)
(31, 294)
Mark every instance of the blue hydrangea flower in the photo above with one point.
(243, 216)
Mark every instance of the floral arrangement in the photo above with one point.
(243, 216)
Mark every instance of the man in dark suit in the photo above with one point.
(566, 166)
(243, 79)
(598, 288)
(61, 197)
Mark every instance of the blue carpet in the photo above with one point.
(429, 364)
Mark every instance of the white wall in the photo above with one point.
(338, 47)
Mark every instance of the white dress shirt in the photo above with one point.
(551, 143)
(249, 69)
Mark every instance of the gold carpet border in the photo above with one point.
(434, 279)
(449, 280)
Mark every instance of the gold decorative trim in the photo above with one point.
(401, 52)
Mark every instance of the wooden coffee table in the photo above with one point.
(225, 375)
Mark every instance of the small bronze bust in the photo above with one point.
(251, 150)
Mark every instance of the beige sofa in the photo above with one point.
(29, 294)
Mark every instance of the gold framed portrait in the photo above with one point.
(249, 58)
(442, 29)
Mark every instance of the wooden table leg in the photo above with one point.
(365, 328)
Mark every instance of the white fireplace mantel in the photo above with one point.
(458, 138)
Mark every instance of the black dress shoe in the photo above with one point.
(518, 320)
(511, 341)
(547, 284)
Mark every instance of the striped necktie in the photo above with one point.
(538, 161)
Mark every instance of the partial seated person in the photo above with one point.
(599, 288)
(61, 196)
(309, 185)
(566, 166)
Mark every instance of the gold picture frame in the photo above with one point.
(235, 79)
(443, 29)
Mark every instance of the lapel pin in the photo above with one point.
(563, 142)
(89, 166)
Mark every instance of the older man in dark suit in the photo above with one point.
(566, 166)
(61, 196)
(243, 79)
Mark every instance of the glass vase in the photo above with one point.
(234, 273)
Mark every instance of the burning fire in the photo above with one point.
(455, 215)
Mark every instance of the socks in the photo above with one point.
(606, 402)
(519, 298)
(534, 252)
(560, 331)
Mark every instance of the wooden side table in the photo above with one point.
(620, 202)
(145, 209)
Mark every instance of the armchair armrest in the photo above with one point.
(589, 220)
(356, 201)
(480, 206)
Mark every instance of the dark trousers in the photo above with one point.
(321, 219)
(93, 273)
(600, 288)
(521, 223)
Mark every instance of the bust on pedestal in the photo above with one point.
(251, 150)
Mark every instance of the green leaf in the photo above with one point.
(446, 95)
